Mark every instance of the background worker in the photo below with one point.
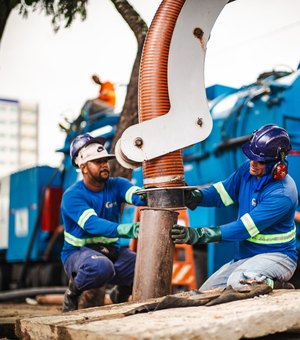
(107, 91)
(265, 231)
(104, 104)
(91, 210)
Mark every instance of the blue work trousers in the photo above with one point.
(263, 267)
(91, 269)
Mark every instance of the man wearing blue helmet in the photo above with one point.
(91, 210)
(264, 230)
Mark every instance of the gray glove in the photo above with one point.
(192, 198)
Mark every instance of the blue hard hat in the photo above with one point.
(267, 143)
(80, 141)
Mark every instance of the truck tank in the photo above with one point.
(30, 249)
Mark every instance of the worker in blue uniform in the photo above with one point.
(264, 230)
(91, 209)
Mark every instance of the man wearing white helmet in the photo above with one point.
(91, 210)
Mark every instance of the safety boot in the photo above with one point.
(71, 297)
(283, 285)
(120, 294)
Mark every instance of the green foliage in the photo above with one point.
(60, 10)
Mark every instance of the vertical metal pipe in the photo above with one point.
(154, 264)
(155, 251)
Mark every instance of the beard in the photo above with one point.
(104, 174)
(101, 177)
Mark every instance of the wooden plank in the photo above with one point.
(277, 312)
(10, 313)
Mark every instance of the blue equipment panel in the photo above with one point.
(26, 192)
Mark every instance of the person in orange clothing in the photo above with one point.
(104, 103)
(107, 91)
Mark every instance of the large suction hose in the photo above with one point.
(154, 263)
(173, 55)
(166, 170)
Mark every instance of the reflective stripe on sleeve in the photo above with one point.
(249, 225)
(226, 199)
(85, 216)
(130, 192)
(80, 242)
(273, 238)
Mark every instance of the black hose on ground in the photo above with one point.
(30, 292)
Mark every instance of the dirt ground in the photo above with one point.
(11, 312)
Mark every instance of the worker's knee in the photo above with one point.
(236, 279)
(95, 272)
(105, 269)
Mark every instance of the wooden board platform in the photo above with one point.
(10, 313)
(277, 312)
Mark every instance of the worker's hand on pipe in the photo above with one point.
(128, 230)
(181, 234)
(192, 198)
(144, 197)
(189, 235)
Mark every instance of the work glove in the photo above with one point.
(181, 235)
(142, 197)
(192, 198)
(128, 230)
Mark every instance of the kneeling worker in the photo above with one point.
(265, 230)
(90, 208)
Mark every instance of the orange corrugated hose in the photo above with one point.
(166, 170)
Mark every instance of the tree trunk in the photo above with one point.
(129, 114)
(6, 7)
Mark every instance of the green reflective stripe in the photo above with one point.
(85, 216)
(130, 192)
(80, 242)
(273, 238)
(226, 199)
(270, 282)
(249, 225)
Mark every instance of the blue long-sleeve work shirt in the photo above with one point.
(266, 212)
(93, 216)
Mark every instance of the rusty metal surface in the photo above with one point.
(153, 269)
(166, 199)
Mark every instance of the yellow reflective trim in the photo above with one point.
(249, 225)
(80, 242)
(226, 199)
(273, 238)
(130, 192)
(85, 216)
(270, 282)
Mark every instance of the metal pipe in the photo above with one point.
(154, 263)
(155, 251)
